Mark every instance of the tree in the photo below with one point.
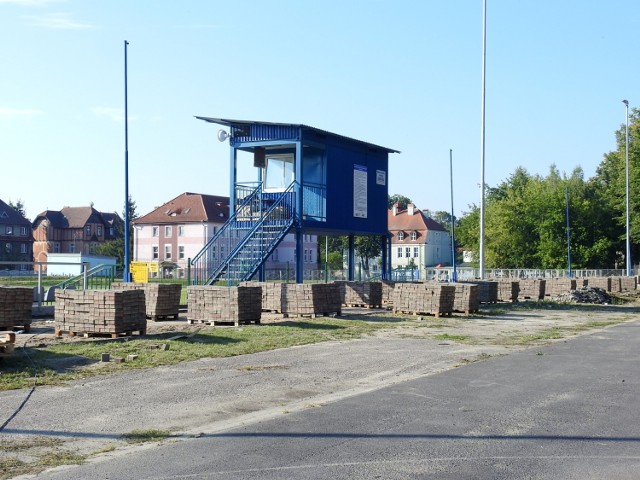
(18, 207)
(401, 200)
(115, 248)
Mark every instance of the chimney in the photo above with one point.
(427, 213)
(410, 208)
(395, 209)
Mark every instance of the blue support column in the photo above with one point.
(383, 263)
(233, 174)
(352, 259)
(298, 215)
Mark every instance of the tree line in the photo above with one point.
(526, 215)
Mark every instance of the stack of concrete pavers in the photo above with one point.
(487, 290)
(16, 304)
(560, 286)
(162, 300)
(508, 290)
(311, 299)
(100, 312)
(360, 294)
(214, 305)
(627, 284)
(600, 282)
(387, 292)
(424, 298)
(467, 297)
(272, 294)
(532, 288)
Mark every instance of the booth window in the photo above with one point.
(279, 172)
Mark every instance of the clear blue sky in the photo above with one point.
(401, 74)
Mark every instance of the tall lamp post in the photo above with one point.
(126, 274)
(482, 136)
(626, 136)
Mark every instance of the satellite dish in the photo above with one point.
(222, 135)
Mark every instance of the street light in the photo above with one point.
(628, 256)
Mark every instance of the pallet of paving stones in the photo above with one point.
(532, 288)
(487, 290)
(214, 305)
(508, 290)
(100, 312)
(430, 298)
(559, 286)
(467, 299)
(627, 284)
(272, 294)
(16, 304)
(600, 282)
(360, 294)
(387, 291)
(314, 299)
(162, 300)
(7, 343)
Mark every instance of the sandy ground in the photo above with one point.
(212, 395)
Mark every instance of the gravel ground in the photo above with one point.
(212, 395)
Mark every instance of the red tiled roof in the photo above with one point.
(417, 222)
(189, 208)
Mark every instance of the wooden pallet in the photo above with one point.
(434, 314)
(361, 305)
(312, 315)
(220, 323)
(71, 333)
(24, 328)
(155, 318)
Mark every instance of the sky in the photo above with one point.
(403, 74)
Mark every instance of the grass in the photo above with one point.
(143, 436)
(18, 372)
(46, 454)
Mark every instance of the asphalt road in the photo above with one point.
(569, 410)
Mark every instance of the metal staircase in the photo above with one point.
(245, 241)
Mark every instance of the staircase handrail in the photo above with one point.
(249, 198)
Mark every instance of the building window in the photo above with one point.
(99, 230)
(155, 252)
(56, 247)
(8, 230)
(23, 231)
(23, 248)
(72, 247)
(155, 231)
(87, 230)
(407, 252)
(112, 231)
(399, 252)
(167, 231)
(305, 256)
(92, 248)
(279, 172)
(400, 236)
(414, 235)
(167, 252)
(415, 252)
(181, 230)
(181, 252)
(7, 247)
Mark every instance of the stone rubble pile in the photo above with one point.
(587, 294)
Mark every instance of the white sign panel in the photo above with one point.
(359, 191)
(381, 177)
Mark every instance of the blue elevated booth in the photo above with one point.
(307, 181)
